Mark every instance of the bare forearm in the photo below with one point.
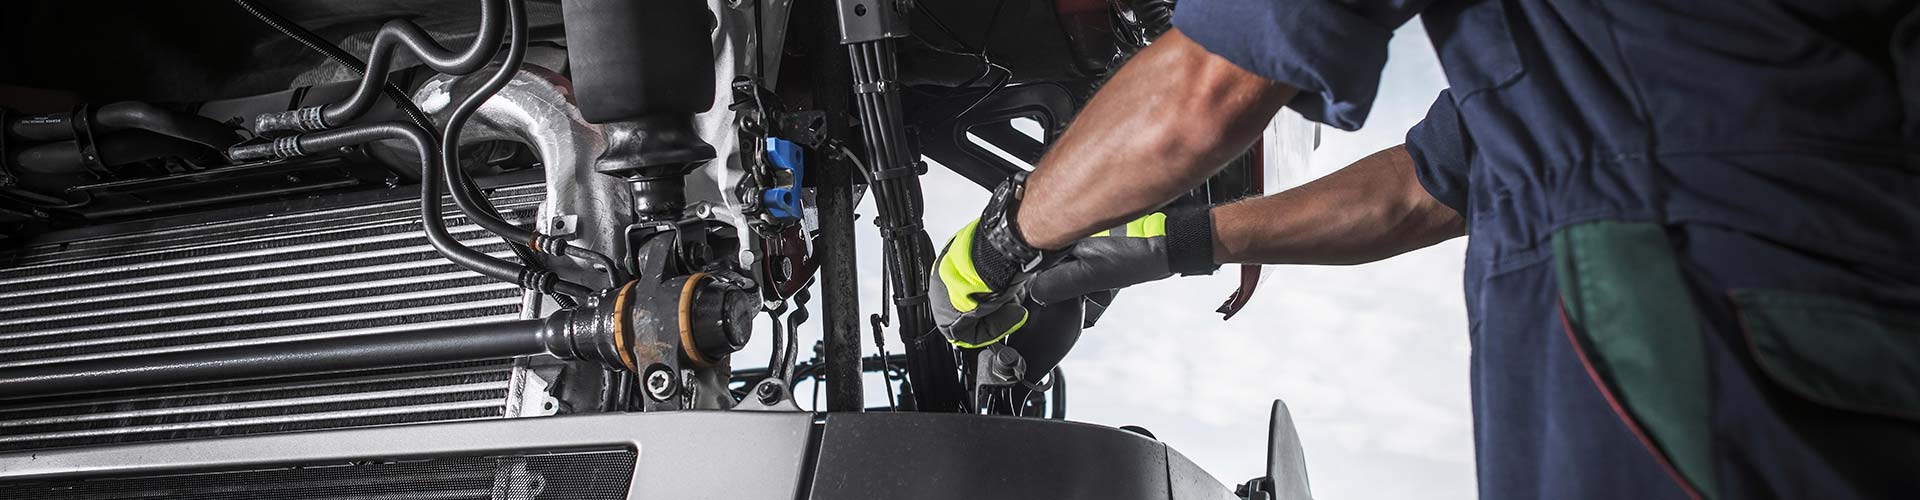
(1172, 116)
(1370, 210)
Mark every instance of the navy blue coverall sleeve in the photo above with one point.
(1440, 148)
(1331, 51)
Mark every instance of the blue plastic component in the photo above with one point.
(784, 202)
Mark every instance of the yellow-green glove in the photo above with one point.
(975, 289)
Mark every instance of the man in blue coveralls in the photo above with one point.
(1694, 255)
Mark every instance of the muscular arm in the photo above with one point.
(1370, 210)
(1174, 115)
(1169, 118)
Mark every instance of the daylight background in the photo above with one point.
(1372, 359)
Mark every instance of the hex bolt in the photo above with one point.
(768, 394)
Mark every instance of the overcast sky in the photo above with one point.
(1372, 359)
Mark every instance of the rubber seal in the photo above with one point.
(620, 328)
(686, 321)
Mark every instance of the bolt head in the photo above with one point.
(660, 384)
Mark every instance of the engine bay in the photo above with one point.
(262, 216)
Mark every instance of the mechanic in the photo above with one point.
(1692, 225)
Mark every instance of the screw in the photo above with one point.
(660, 382)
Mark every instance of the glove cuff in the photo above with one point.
(1190, 240)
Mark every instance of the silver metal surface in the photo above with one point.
(537, 108)
(682, 455)
(716, 183)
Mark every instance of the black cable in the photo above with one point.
(393, 35)
(431, 219)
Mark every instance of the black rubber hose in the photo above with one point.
(475, 206)
(468, 202)
(62, 158)
(128, 115)
(139, 115)
(393, 93)
(394, 35)
(335, 53)
(431, 220)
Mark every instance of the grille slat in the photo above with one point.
(255, 405)
(532, 475)
(255, 278)
(200, 295)
(194, 264)
(233, 393)
(237, 422)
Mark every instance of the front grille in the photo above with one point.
(261, 277)
(601, 475)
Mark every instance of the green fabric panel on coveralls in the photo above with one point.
(1622, 291)
(1843, 353)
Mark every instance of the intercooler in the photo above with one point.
(344, 266)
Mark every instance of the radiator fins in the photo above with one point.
(363, 269)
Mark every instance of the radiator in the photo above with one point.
(271, 274)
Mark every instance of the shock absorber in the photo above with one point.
(868, 29)
(643, 69)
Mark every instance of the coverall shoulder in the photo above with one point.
(1692, 228)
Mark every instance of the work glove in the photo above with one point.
(1154, 247)
(975, 288)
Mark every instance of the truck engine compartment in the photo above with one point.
(266, 218)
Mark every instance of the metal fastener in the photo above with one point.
(660, 384)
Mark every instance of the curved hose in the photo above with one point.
(431, 219)
(128, 115)
(143, 116)
(393, 35)
(474, 206)
(468, 201)
(333, 52)
(393, 93)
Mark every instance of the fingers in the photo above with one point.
(1100, 264)
(1065, 281)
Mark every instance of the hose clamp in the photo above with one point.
(309, 119)
(287, 147)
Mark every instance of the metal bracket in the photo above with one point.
(869, 20)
